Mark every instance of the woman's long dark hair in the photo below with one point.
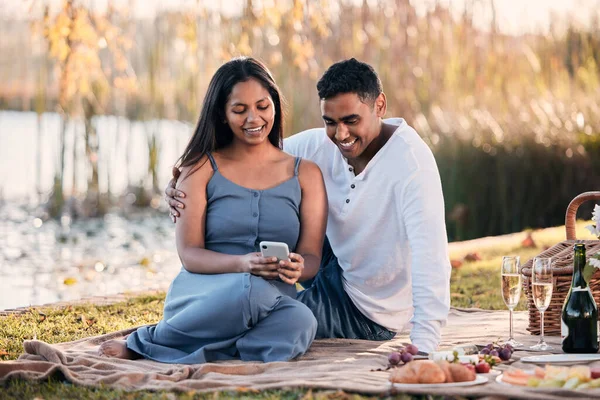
(211, 132)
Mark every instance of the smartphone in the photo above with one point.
(275, 249)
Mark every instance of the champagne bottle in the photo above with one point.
(579, 319)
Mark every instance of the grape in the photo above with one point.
(505, 354)
(394, 358)
(406, 357)
(509, 347)
(485, 350)
(482, 367)
(412, 349)
(494, 353)
(490, 347)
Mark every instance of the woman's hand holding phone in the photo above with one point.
(256, 264)
(290, 270)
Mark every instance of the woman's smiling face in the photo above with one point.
(250, 112)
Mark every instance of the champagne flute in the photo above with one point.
(541, 288)
(511, 290)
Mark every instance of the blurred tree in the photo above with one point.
(77, 41)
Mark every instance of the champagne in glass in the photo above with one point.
(541, 289)
(511, 290)
(542, 294)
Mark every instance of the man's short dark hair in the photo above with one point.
(350, 76)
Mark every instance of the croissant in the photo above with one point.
(419, 372)
(432, 372)
(459, 373)
(445, 366)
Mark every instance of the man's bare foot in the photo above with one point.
(117, 349)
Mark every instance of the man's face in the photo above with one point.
(351, 124)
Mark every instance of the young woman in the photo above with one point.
(229, 302)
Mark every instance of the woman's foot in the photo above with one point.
(117, 349)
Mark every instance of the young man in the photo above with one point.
(385, 261)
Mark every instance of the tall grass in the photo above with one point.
(513, 120)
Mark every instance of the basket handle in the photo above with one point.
(572, 211)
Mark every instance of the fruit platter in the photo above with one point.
(553, 377)
(444, 368)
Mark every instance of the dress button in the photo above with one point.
(255, 215)
(350, 169)
(353, 186)
(347, 201)
(255, 194)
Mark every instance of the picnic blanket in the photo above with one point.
(338, 364)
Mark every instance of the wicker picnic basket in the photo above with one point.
(562, 268)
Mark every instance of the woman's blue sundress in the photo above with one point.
(234, 315)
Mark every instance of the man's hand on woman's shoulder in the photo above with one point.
(173, 196)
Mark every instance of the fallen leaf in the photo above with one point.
(87, 321)
(528, 242)
(456, 263)
(470, 257)
(340, 394)
(145, 262)
(70, 281)
(243, 389)
(3, 352)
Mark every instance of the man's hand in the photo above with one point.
(290, 271)
(173, 195)
(258, 265)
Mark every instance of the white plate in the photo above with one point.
(478, 381)
(561, 358)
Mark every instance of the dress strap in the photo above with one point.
(212, 161)
(296, 166)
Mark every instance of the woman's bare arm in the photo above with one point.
(189, 230)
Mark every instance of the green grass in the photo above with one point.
(57, 390)
(55, 325)
(475, 284)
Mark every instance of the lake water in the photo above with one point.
(122, 155)
(49, 261)
(44, 262)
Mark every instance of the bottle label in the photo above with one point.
(564, 330)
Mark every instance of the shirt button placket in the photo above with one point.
(352, 186)
(255, 214)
